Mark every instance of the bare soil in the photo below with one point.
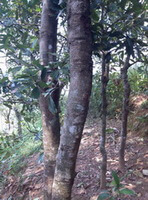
(29, 186)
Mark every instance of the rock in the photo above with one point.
(139, 195)
(94, 198)
(145, 172)
(139, 183)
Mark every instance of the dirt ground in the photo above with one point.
(29, 186)
(86, 186)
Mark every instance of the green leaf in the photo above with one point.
(55, 75)
(113, 7)
(43, 84)
(23, 76)
(35, 93)
(127, 191)
(3, 80)
(14, 70)
(9, 106)
(34, 2)
(104, 195)
(123, 3)
(27, 119)
(38, 9)
(95, 16)
(25, 1)
(117, 34)
(43, 74)
(34, 43)
(52, 106)
(116, 179)
(2, 46)
(111, 198)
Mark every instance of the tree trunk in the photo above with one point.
(50, 121)
(19, 121)
(125, 111)
(104, 81)
(48, 33)
(80, 43)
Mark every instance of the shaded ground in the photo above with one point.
(29, 185)
(86, 185)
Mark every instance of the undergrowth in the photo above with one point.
(14, 155)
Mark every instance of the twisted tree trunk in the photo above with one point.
(80, 43)
(50, 120)
(104, 81)
(125, 111)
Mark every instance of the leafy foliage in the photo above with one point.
(118, 28)
(13, 150)
(23, 78)
(118, 189)
(138, 80)
(144, 105)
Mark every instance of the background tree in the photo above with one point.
(104, 81)
(125, 111)
(114, 30)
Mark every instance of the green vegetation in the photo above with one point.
(118, 30)
(14, 150)
(144, 105)
(138, 78)
(118, 190)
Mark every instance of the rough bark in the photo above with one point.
(125, 111)
(51, 137)
(50, 121)
(80, 43)
(104, 81)
(48, 33)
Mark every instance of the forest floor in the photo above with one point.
(29, 186)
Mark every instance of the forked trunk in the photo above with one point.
(50, 120)
(80, 43)
(125, 111)
(104, 81)
(51, 137)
